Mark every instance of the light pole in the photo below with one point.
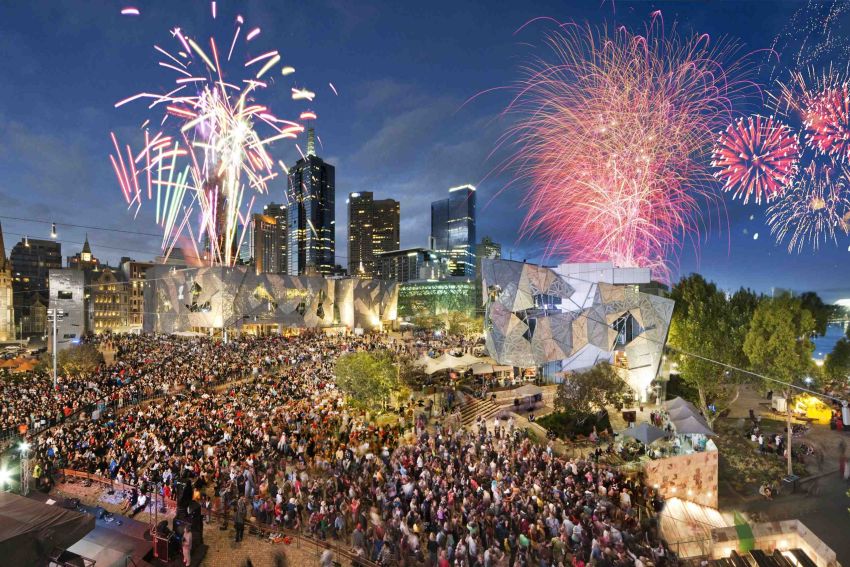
(24, 448)
(54, 316)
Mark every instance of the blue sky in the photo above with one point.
(399, 126)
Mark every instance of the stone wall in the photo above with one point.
(689, 477)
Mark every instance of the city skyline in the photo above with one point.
(387, 112)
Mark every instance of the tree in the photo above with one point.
(367, 378)
(778, 345)
(79, 360)
(819, 310)
(459, 323)
(836, 367)
(411, 373)
(707, 323)
(591, 389)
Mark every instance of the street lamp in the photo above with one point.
(54, 316)
(24, 448)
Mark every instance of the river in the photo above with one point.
(825, 344)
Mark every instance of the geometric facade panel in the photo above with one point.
(536, 315)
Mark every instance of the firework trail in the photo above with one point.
(813, 36)
(756, 157)
(210, 158)
(813, 211)
(614, 133)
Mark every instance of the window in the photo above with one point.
(64, 295)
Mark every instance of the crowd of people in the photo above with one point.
(144, 366)
(282, 447)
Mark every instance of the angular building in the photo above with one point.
(67, 294)
(311, 224)
(373, 228)
(571, 317)
(32, 259)
(453, 229)
(7, 305)
(237, 299)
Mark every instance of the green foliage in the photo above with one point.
(410, 373)
(836, 367)
(707, 323)
(459, 323)
(592, 389)
(81, 359)
(777, 343)
(569, 424)
(819, 310)
(428, 321)
(368, 378)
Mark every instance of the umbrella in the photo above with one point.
(691, 426)
(482, 368)
(645, 433)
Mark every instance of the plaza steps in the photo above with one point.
(475, 408)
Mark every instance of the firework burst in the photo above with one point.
(756, 157)
(813, 211)
(210, 158)
(613, 134)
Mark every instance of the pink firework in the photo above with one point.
(756, 157)
(614, 135)
(826, 118)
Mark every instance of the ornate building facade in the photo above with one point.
(7, 309)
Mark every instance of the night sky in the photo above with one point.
(399, 126)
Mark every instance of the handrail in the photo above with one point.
(261, 528)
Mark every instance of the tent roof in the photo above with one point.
(30, 530)
(676, 402)
(691, 426)
(644, 432)
(527, 390)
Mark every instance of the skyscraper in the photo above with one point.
(453, 229)
(7, 307)
(279, 213)
(373, 228)
(267, 236)
(311, 238)
(32, 259)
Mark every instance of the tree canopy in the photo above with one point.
(708, 323)
(592, 389)
(836, 367)
(821, 312)
(778, 342)
(368, 378)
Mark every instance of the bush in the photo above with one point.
(570, 424)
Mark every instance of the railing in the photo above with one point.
(262, 530)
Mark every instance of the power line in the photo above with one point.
(89, 227)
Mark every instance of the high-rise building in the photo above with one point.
(32, 259)
(487, 248)
(373, 228)
(278, 212)
(266, 238)
(453, 229)
(410, 264)
(311, 224)
(7, 305)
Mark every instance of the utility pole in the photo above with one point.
(55, 315)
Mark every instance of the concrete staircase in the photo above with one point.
(473, 408)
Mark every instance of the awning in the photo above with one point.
(526, 391)
(482, 368)
(644, 432)
(692, 426)
(30, 530)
